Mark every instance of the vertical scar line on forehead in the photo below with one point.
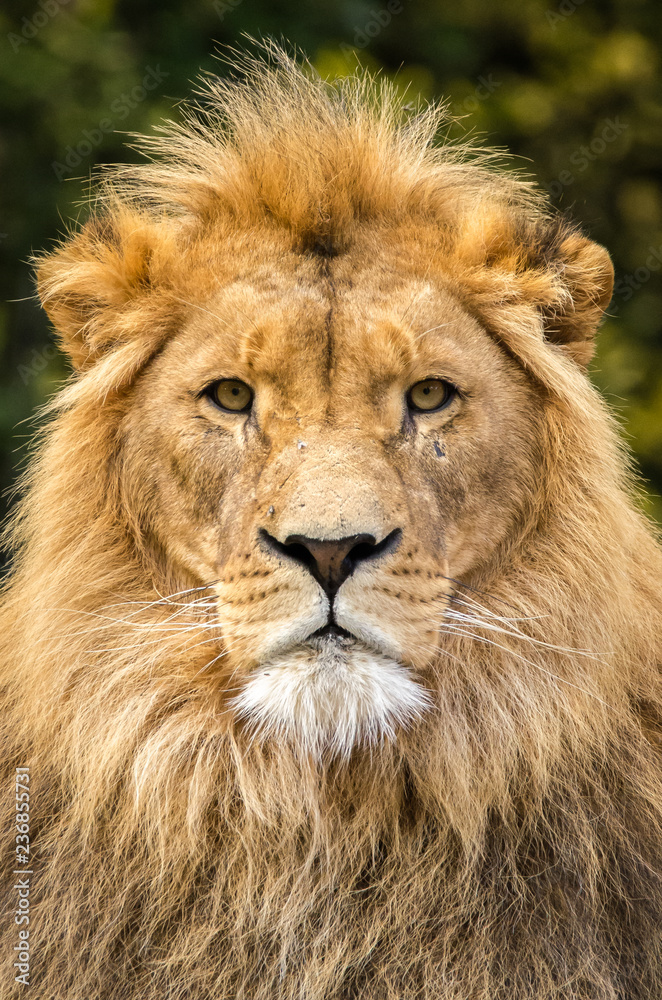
(328, 322)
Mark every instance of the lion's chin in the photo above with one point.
(329, 694)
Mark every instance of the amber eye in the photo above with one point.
(231, 394)
(431, 394)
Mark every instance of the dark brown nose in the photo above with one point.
(331, 561)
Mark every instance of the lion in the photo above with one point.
(332, 640)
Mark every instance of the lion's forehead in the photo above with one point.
(298, 326)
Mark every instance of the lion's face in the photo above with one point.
(329, 514)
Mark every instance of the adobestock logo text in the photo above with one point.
(120, 108)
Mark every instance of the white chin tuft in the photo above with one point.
(327, 696)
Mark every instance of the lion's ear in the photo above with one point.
(587, 280)
(90, 283)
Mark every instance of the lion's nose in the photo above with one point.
(331, 561)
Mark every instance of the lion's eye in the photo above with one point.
(231, 394)
(431, 394)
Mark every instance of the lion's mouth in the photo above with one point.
(333, 631)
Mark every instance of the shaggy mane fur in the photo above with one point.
(507, 846)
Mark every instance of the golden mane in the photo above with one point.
(510, 843)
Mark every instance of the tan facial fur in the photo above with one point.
(329, 450)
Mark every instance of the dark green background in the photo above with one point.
(572, 89)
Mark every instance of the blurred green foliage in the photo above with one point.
(570, 87)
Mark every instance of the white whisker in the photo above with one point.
(456, 630)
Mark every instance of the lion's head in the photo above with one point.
(329, 433)
(333, 569)
(323, 445)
